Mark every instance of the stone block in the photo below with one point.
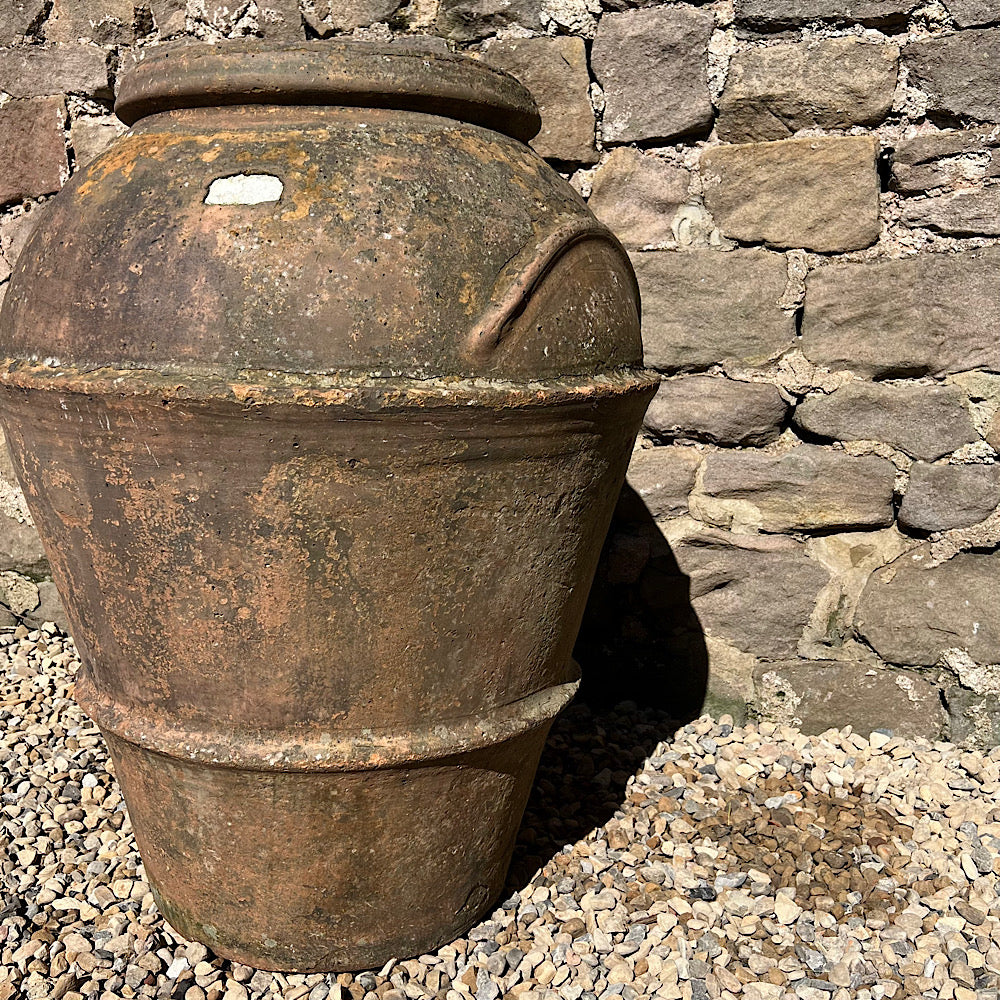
(912, 612)
(653, 67)
(555, 71)
(41, 70)
(945, 158)
(960, 73)
(771, 14)
(962, 213)
(92, 135)
(705, 307)
(923, 421)
(20, 547)
(280, 20)
(49, 609)
(773, 92)
(470, 20)
(329, 16)
(32, 148)
(942, 497)
(973, 13)
(756, 593)
(103, 22)
(169, 16)
(818, 194)
(663, 477)
(926, 315)
(17, 16)
(815, 695)
(718, 410)
(806, 489)
(974, 719)
(637, 195)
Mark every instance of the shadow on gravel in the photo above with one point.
(645, 674)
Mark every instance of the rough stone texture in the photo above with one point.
(470, 20)
(924, 421)
(805, 489)
(942, 497)
(819, 194)
(945, 158)
(973, 13)
(17, 16)
(637, 195)
(913, 612)
(38, 71)
(975, 718)
(703, 307)
(773, 92)
(817, 695)
(756, 593)
(280, 20)
(91, 136)
(926, 315)
(960, 72)
(663, 477)
(104, 22)
(169, 16)
(718, 410)
(964, 213)
(32, 148)
(794, 13)
(330, 16)
(555, 71)
(653, 67)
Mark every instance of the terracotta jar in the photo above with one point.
(321, 386)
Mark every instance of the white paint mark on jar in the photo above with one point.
(244, 189)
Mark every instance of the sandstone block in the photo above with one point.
(806, 489)
(944, 158)
(555, 71)
(795, 13)
(50, 608)
(960, 73)
(470, 20)
(755, 593)
(20, 547)
(974, 718)
(32, 148)
(816, 695)
(91, 136)
(637, 195)
(104, 22)
(817, 194)
(17, 16)
(912, 612)
(280, 20)
(653, 66)
(775, 91)
(973, 13)
(964, 213)
(942, 497)
(663, 477)
(924, 421)
(329, 16)
(718, 410)
(704, 307)
(926, 315)
(40, 70)
(169, 16)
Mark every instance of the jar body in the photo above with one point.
(323, 478)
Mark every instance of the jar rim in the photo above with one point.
(334, 73)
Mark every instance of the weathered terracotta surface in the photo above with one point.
(323, 481)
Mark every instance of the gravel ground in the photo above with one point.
(700, 862)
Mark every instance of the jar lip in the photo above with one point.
(335, 73)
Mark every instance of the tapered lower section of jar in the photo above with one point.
(320, 870)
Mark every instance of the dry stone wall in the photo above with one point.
(810, 192)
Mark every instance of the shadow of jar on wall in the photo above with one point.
(644, 662)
